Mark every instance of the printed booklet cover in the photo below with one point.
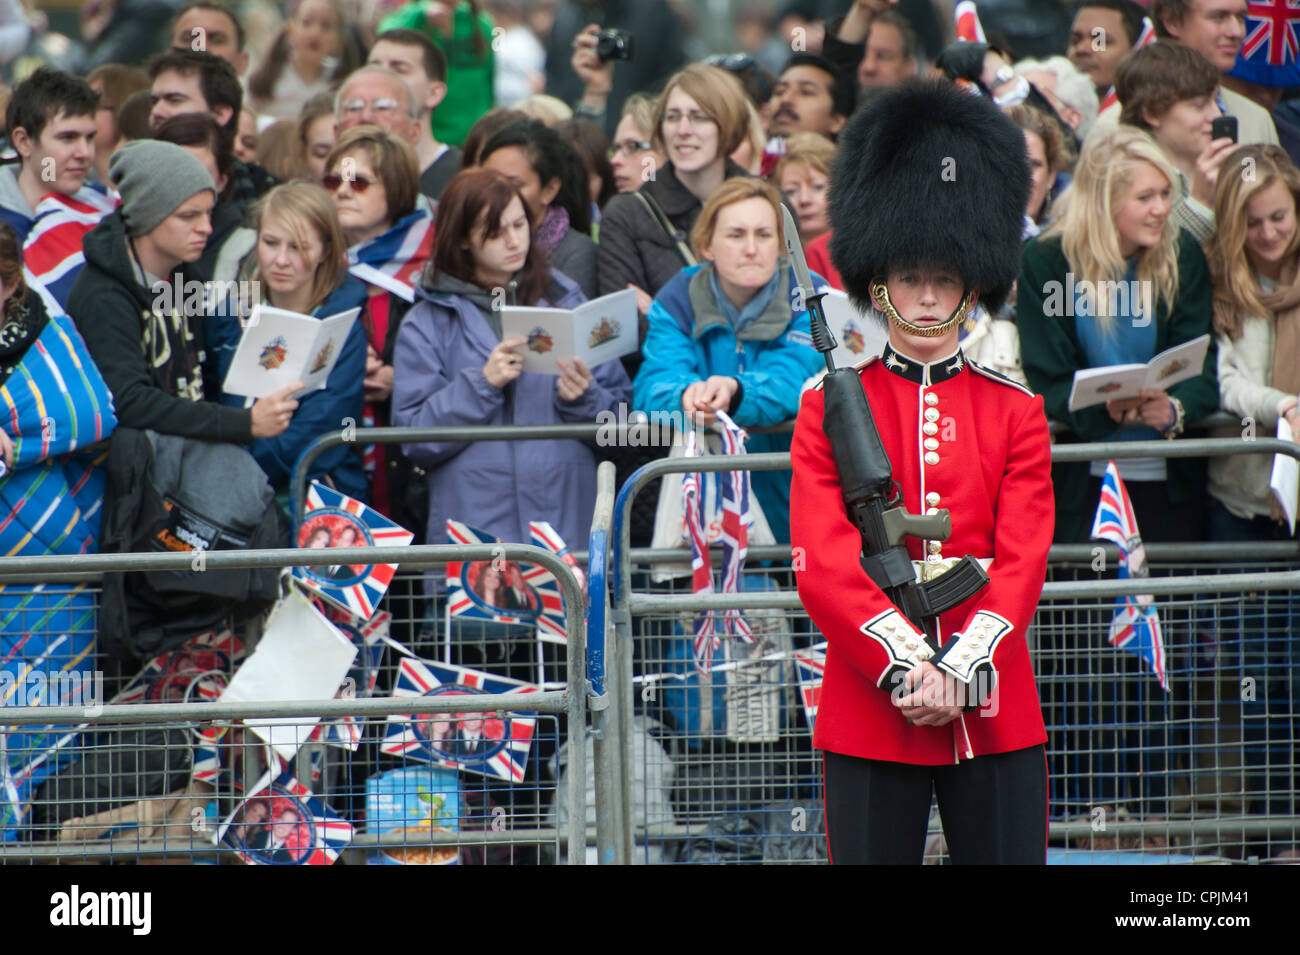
(1095, 386)
(597, 331)
(280, 347)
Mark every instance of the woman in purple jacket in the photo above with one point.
(452, 367)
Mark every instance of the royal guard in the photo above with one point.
(927, 199)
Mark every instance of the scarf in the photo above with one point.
(554, 227)
(20, 326)
(1282, 305)
(395, 259)
(481, 297)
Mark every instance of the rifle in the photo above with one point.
(871, 496)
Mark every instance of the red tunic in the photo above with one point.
(958, 437)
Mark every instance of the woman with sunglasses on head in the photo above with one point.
(552, 180)
(299, 265)
(700, 119)
(373, 177)
(454, 367)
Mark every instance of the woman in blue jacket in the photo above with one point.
(452, 367)
(298, 265)
(724, 336)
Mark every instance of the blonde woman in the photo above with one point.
(1253, 261)
(299, 265)
(1113, 281)
(725, 337)
(803, 175)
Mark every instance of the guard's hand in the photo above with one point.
(272, 414)
(504, 364)
(574, 380)
(937, 698)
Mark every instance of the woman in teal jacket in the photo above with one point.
(724, 336)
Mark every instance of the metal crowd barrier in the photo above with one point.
(726, 771)
(100, 806)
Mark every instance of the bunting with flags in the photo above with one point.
(506, 591)
(493, 744)
(737, 518)
(1135, 627)
(395, 259)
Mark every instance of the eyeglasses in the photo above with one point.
(358, 184)
(739, 63)
(630, 148)
(384, 104)
(697, 118)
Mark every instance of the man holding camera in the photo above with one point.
(642, 48)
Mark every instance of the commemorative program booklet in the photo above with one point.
(600, 330)
(1095, 386)
(1284, 482)
(279, 347)
(857, 336)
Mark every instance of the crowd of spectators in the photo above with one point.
(418, 160)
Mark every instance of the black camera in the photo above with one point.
(613, 45)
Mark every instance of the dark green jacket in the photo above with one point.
(1050, 351)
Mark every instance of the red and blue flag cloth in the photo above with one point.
(811, 667)
(282, 823)
(737, 518)
(1270, 53)
(396, 259)
(506, 591)
(1145, 38)
(491, 743)
(52, 251)
(1135, 627)
(355, 589)
(966, 20)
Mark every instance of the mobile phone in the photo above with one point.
(1224, 126)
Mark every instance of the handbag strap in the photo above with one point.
(675, 235)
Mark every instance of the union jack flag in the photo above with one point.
(737, 518)
(529, 594)
(394, 260)
(967, 21)
(354, 589)
(1135, 627)
(52, 250)
(493, 744)
(282, 823)
(1271, 32)
(811, 664)
(1145, 38)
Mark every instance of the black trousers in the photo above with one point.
(994, 809)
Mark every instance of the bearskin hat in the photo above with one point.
(929, 175)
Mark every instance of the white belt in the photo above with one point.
(929, 570)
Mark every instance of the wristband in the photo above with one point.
(1175, 429)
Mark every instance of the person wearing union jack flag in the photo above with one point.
(927, 199)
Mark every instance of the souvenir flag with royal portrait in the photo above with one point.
(737, 518)
(506, 591)
(811, 666)
(1135, 627)
(282, 823)
(491, 743)
(332, 519)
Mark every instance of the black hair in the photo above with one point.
(214, 8)
(843, 94)
(592, 144)
(435, 61)
(44, 96)
(1130, 14)
(551, 158)
(217, 79)
(200, 129)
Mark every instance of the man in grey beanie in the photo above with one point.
(130, 305)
